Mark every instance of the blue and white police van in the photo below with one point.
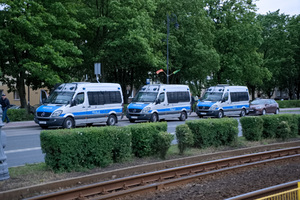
(82, 103)
(160, 101)
(224, 100)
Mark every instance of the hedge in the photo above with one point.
(184, 136)
(213, 132)
(19, 115)
(289, 103)
(252, 128)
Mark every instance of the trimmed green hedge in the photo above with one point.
(213, 132)
(80, 148)
(145, 136)
(289, 104)
(185, 137)
(271, 126)
(73, 149)
(252, 128)
(19, 115)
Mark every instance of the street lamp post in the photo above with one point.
(173, 19)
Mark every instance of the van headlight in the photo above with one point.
(213, 107)
(56, 113)
(146, 109)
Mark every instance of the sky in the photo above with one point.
(288, 7)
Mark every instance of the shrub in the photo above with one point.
(163, 143)
(289, 103)
(184, 137)
(283, 130)
(19, 115)
(252, 128)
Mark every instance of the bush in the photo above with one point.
(252, 128)
(73, 149)
(144, 137)
(19, 115)
(283, 130)
(289, 103)
(163, 143)
(213, 132)
(184, 137)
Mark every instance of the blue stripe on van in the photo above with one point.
(173, 109)
(95, 112)
(47, 108)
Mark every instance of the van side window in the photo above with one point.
(226, 96)
(104, 97)
(79, 99)
(161, 97)
(176, 97)
(239, 96)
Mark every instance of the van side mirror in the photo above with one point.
(157, 101)
(223, 100)
(73, 103)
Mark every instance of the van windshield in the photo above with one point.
(212, 96)
(60, 98)
(145, 97)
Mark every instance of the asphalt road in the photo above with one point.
(23, 143)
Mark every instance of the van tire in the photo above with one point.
(69, 123)
(131, 120)
(112, 120)
(154, 117)
(243, 113)
(277, 111)
(183, 116)
(220, 114)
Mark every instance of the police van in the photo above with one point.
(159, 101)
(82, 103)
(224, 100)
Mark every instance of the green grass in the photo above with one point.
(28, 169)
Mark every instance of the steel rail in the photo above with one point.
(266, 191)
(168, 177)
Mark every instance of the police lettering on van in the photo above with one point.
(223, 100)
(159, 101)
(75, 104)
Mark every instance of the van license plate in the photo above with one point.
(133, 117)
(203, 113)
(42, 122)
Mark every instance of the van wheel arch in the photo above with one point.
(112, 120)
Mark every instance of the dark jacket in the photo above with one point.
(4, 103)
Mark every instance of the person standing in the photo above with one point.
(5, 105)
(192, 104)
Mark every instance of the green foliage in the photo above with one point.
(19, 115)
(289, 104)
(185, 138)
(144, 138)
(163, 143)
(283, 130)
(252, 128)
(73, 149)
(213, 132)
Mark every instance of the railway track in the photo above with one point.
(153, 181)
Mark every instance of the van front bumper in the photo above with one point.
(138, 116)
(207, 113)
(49, 121)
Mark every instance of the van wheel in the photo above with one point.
(243, 113)
(112, 120)
(200, 116)
(69, 123)
(220, 114)
(43, 126)
(277, 111)
(183, 116)
(154, 117)
(89, 124)
(132, 120)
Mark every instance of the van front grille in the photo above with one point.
(203, 107)
(43, 114)
(133, 110)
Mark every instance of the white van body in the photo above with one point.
(223, 100)
(75, 104)
(160, 101)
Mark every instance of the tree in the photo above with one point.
(37, 44)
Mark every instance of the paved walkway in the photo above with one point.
(24, 124)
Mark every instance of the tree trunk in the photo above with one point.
(21, 90)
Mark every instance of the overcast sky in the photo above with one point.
(288, 7)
